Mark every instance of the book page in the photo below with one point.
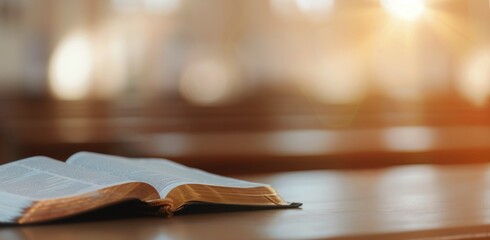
(164, 175)
(11, 206)
(39, 178)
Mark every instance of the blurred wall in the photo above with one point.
(217, 51)
(247, 85)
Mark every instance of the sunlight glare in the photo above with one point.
(71, 67)
(408, 10)
(315, 8)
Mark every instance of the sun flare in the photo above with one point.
(408, 10)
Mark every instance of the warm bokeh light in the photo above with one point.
(404, 9)
(71, 67)
(303, 142)
(209, 81)
(474, 81)
(313, 9)
(338, 79)
(358, 51)
(409, 139)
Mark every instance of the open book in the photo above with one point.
(40, 189)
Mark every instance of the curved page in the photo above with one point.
(40, 178)
(164, 175)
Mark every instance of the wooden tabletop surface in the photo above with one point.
(409, 202)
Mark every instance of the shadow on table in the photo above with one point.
(135, 209)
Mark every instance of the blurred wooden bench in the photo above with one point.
(265, 135)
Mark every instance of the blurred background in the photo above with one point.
(247, 86)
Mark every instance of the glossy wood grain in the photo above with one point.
(411, 202)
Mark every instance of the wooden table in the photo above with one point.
(409, 202)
